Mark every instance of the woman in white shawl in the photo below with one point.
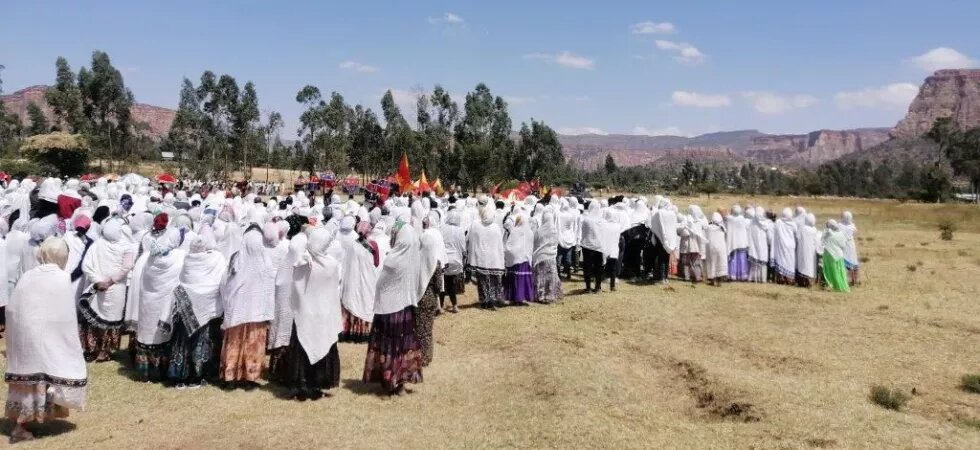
(518, 250)
(454, 238)
(393, 356)
(851, 260)
(106, 266)
(432, 255)
(807, 243)
(547, 283)
(46, 371)
(737, 228)
(692, 244)
(784, 248)
(281, 326)
(663, 225)
(360, 277)
(159, 279)
(760, 235)
(312, 361)
(609, 234)
(569, 234)
(716, 251)
(141, 227)
(247, 297)
(193, 316)
(592, 256)
(485, 256)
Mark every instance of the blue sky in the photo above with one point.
(646, 67)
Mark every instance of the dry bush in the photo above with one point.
(892, 399)
(912, 267)
(946, 229)
(971, 383)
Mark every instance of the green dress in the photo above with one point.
(835, 273)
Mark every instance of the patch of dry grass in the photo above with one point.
(741, 366)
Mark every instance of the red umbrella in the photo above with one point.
(4, 176)
(89, 177)
(167, 178)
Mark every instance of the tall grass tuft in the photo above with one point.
(946, 229)
(971, 383)
(892, 399)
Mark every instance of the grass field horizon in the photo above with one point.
(681, 366)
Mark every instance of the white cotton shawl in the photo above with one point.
(247, 295)
(640, 213)
(609, 233)
(759, 231)
(569, 225)
(716, 250)
(485, 243)
(200, 281)
(4, 285)
(519, 247)
(833, 240)
(808, 239)
(17, 242)
(42, 330)
(104, 260)
(738, 230)
(432, 254)
(546, 238)
(663, 224)
(316, 305)
(160, 277)
(359, 282)
(379, 234)
(454, 238)
(399, 279)
(784, 245)
(132, 313)
(849, 229)
(281, 328)
(591, 237)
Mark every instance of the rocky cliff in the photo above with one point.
(947, 93)
(159, 119)
(814, 148)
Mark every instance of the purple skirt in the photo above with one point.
(738, 265)
(519, 283)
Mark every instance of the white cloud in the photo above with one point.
(447, 18)
(771, 103)
(580, 130)
(684, 52)
(649, 27)
(357, 67)
(943, 58)
(892, 96)
(565, 58)
(666, 131)
(699, 100)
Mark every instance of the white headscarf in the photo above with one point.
(316, 305)
(200, 283)
(738, 230)
(849, 229)
(591, 239)
(247, 294)
(485, 243)
(784, 244)
(519, 247)
(546, 238)
(360, 279)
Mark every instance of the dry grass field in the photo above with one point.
(740, 366)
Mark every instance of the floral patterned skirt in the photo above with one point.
(39, 401)
(425, 319)
(98, 343)
(151, 361)
(243, 352)
(393, 356)
(489, 286)
(355, 329)
(194, 357)
(547, 283)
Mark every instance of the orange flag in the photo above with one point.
(437, 187)
(404, 178)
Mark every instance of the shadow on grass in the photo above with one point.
(47, 429)
(359, 387)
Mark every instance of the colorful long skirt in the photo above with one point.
(835, 273)
(691, 267)
(302, 376)
(547, 283)
(738, 265)
(489, 285)
(519, 283)
(355, 329)
(243, 351)
(151, 361)
(425, 318)
(393, 356)
(98, 343)
(194, 356)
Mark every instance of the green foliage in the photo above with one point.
(20, 168)
(892, 399)
(62, 153)
(964, 157)
(610, 164)
(39, 124)
(971, 383)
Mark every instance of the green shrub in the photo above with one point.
(19, 168)
(946, 229)
(971, 383)
(892, 399)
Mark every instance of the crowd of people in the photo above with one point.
(226, 286)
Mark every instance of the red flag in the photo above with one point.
(404, 178)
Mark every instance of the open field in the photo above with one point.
(741, 366)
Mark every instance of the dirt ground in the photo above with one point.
(681, 366)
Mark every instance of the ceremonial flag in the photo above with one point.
(404, 177)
